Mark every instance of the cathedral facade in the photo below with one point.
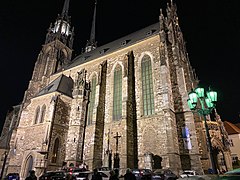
(120, 105)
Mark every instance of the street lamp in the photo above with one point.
(207, 104)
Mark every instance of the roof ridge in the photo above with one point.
(231, 125)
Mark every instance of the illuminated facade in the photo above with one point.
(123, 104)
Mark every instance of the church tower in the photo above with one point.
(55, 54)
(43, 117)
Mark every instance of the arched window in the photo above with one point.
(37, 115)
(43, 113)
(55, 151)
(91, 100)
(147, 86)
(117, 93)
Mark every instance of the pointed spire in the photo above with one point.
(61, 29)
(92, 36)
(91, 44)
(65, 8)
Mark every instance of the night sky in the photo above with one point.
(211, 30)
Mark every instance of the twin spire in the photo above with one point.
(62, 25)
(62, 31)
(65, 9)
(92, 44)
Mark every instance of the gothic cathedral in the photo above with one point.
(120, 105)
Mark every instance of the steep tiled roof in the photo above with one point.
(118, 44)
(62, 84)
(231, 128)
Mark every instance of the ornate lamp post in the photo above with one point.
(207, 104)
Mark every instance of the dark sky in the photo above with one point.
(211, 30)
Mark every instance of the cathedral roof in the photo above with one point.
(62, 84)
(238, 125)
(231, 128)
(116, 45)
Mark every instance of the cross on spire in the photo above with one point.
(117, 137)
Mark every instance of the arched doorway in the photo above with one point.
(28, 166)
(157, 162)
(55, 151)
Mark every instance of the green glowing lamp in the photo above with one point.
(212, 95)
(209, 103)
(200, 92)
(193, 97)
(191, 105)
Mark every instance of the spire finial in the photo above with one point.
(92, 36)
(91, 44)
(65, 8)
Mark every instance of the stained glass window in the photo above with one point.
(147, 86)
(117, 94)
(91, 100)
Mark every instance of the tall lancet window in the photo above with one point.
(147, 86)
(117, 93)
(43, 113)
(37, 113)
(91, 100)
(55, 151)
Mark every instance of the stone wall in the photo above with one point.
(158, 134)
(34, 139)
